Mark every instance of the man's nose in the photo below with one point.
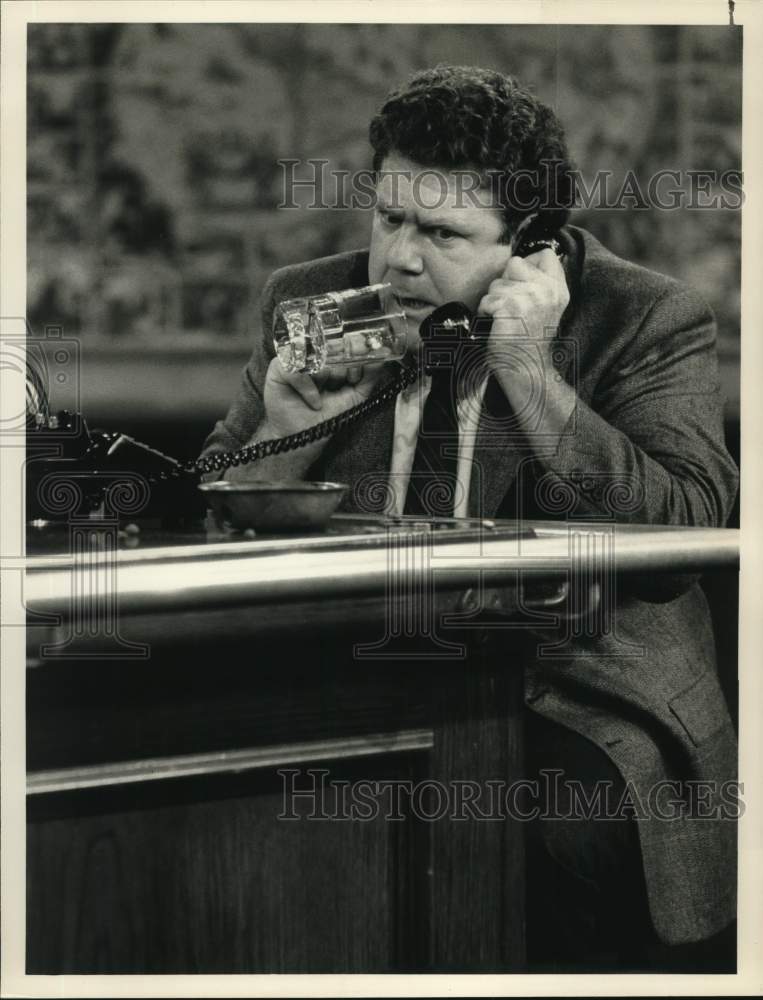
(405, 253)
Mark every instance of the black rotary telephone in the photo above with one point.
(61, 442)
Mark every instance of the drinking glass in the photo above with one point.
(340, 328)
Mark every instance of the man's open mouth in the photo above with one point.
(414, 304)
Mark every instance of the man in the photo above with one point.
(598, 397)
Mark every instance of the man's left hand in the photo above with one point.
(526, 304)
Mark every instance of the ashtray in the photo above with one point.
(274, 506)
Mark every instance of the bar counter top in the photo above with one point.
(159, 569)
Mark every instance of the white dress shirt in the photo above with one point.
(408, 409)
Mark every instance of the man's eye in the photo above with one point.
(388, 218)
(445, 235)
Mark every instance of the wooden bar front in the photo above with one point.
(164, 751)
(158, 794)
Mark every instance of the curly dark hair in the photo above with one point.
(466, 118)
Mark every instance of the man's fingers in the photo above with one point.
(518, 269)
(323, 386)
(369, 377)
(526, 268)
(304, 386)
(546, 261)
(332, 379)
(495, 305)
(338, 377)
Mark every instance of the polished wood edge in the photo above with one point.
(295, 576)
(225, 762)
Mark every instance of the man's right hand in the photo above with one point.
(295, 401)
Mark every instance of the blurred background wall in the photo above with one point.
(153, 178)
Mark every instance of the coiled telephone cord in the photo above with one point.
(407, 375)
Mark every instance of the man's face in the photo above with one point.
(432, 241)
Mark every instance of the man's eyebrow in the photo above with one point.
(431, 222)
(436, 222)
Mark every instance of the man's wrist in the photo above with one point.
(523, 383)
(543, 401)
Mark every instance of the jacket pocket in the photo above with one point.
(700, 708)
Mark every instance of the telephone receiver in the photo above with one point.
(61, 443)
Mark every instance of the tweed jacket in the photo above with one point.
(644, 446)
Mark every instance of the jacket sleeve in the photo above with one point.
(650, 448)
(247, 409)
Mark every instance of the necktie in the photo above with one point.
(432, 486)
